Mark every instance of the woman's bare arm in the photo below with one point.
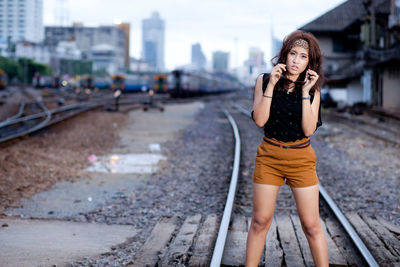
(262, 103)
(309, 117)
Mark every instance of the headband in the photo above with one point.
(302, 43)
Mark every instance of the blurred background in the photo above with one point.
(44, 39)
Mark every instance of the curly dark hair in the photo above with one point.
(314, 57)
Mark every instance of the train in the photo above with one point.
(187, 83)
(141, 82)
(3, 79)
(160, 83)
(178, 83)
(45, 81)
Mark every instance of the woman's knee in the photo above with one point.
(311, 228)
(261, 223)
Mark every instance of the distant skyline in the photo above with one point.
(215, 24)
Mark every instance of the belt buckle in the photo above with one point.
(284, 146)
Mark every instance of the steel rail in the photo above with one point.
(338, 213)
(33, 129)
(349, 229)
(53, 111)
(49, 116)
(223, 229)
(20, 111)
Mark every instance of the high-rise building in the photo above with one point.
(256, 60)
(21, 20)
(88, 37)
(198, 58)
(220, 61)
(153, 30)
(126, 27)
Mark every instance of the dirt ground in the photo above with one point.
(35, 163)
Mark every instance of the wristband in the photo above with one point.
(306, 97)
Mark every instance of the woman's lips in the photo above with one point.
(294, 68)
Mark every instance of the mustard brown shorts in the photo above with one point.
(275, 165)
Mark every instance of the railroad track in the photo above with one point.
(18, 125)
(201, 240)
(215, 240)
(375, 129)
(339, 216)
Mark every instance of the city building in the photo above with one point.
(276, 45)
(220, 61)
(198, 58)
(252, 67)
(126, 28)
(67, 59)
(3, 48)
(36, 51)
(256, 60)
(21, 20)
(139, 65)
(68, 50)
(88, 37)
(361, 51)
(104, 58)
(153, 41)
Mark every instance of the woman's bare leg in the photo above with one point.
(264, 198)
(308, 209)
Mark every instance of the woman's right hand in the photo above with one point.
(276, 73)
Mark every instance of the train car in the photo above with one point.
(183, 83)
(160, 83)
(102, 82)
(3, 79)
(42, 81)
(118, 82)
(137, 83)
(87, 82)
(56, 82)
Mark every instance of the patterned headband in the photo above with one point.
(302, 43)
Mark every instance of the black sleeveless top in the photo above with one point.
(284, 122)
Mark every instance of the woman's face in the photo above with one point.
(297, 60)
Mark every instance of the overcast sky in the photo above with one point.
(215, 24)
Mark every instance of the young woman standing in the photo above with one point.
(287, 105)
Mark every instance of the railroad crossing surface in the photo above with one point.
(192, 242)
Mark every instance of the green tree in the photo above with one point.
(28, 68)
(11, 67)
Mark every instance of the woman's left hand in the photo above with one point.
(311, 79)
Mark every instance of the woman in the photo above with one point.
(287, 105)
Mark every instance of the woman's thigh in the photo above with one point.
(264, 199)
(307, 202)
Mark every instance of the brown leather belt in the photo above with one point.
(302, 145)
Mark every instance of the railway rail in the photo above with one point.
(18, 125)
(201, 238)
(337, 212)
(374, 129)
(209, 240)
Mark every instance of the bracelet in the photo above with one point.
(267, 96)
(306, 97)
